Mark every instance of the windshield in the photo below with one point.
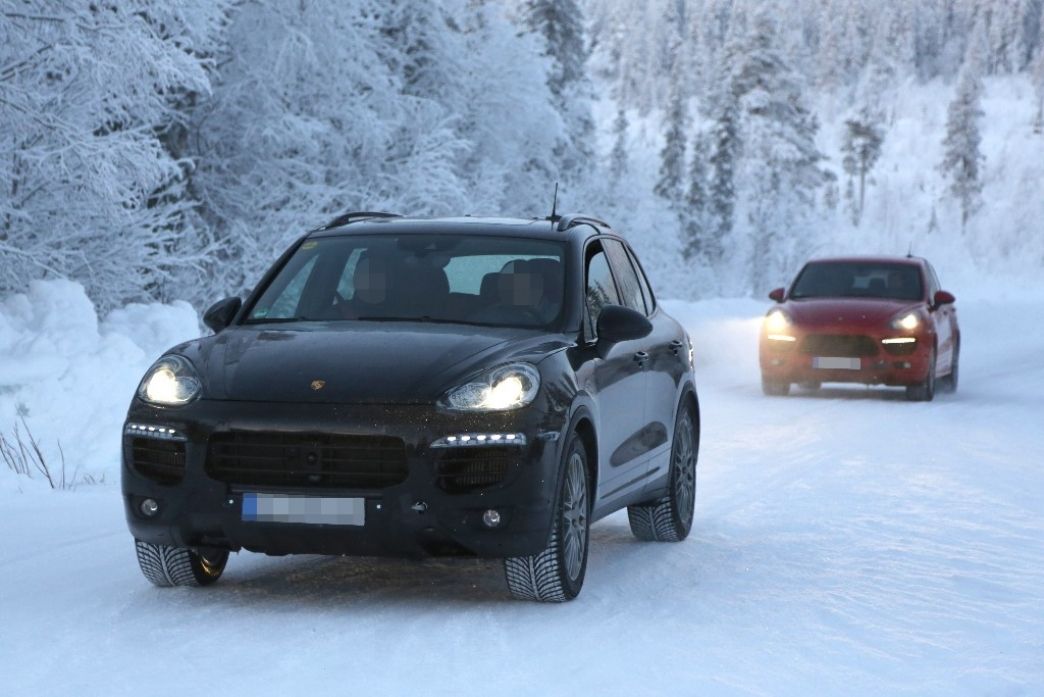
(859, 280)
(467, 279)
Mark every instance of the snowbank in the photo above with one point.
(71, 376)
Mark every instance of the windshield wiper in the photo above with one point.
(423, 318)
(277, 320)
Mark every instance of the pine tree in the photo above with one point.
(724, 151)
(672, 156)
(780, 173)
(1037, 76)
(561, 25)
(618, 158)
(861, 148)
(698, 241)
(963, 160)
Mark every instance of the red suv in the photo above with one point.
(871, 320)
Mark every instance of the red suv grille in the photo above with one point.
(850, 345)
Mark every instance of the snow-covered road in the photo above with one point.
(846, 542)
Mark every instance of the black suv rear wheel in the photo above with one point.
(669, 519)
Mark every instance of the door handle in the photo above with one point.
(640, 357)
(676, 347)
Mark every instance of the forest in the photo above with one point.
(155, 150)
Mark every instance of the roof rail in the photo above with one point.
(571, 220)
(353, 216)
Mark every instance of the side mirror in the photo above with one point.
(779, 294)
(616, 324)
(221, 313)
(943, 298)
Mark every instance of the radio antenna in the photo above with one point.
(554, 208)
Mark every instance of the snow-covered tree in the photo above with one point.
(672, 156)
(860, 147)
(699, 239)
(780, 163)
(618, 158)
(561, 25)
(88, 93)
(722, 161)
(1037, 76)
(963, 159)
(507, 166)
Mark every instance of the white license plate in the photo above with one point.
(835, 363)
(309, 510)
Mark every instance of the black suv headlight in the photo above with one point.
(501, 389)
(170, 382)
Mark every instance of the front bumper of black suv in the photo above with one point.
(197, 463)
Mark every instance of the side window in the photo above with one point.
(601, 290)
(933, 282)
(650, 301)
(624, 272)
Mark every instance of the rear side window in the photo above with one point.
(601, 290)
(625, 275)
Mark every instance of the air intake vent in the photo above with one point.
(161, 461)
(461, 470)
(306, 460)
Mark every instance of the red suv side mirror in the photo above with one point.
(778, 294)
(943, 298)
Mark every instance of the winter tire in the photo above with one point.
(924, 391)
(775, 389)
(670, 519)
(949, 383)
(556, 574)
(167, 566)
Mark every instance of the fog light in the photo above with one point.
(149, 507)
(491, 518)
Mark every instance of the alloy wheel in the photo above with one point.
(574, 516)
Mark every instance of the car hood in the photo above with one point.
(353, 363)
(858, 312)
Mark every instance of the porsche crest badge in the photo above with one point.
(318, 384)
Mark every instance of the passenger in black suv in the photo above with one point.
(420, 387)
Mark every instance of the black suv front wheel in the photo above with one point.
(167, 566)
(556, 574)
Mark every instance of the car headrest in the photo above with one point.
(877, 285)
(488, 289)
(520, 289)
(371, 278)
(548, 269)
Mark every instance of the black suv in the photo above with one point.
(400, 386)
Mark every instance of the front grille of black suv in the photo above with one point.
(306, 460)
(461, 470)
(842, 345)
(159, 460)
